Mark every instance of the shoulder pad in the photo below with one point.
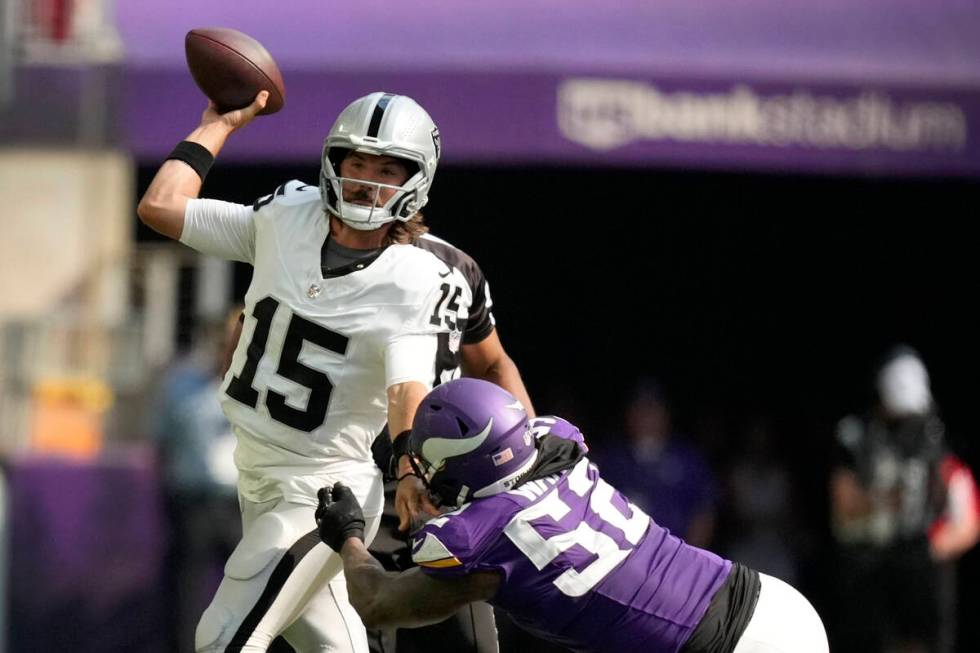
(436, 239)
(291, 193)
(448, 253)
(559, 427)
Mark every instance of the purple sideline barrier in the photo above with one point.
(86, 555)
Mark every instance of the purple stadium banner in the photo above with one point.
(604, 120)
(788, 85)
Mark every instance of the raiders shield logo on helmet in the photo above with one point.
(437, 142)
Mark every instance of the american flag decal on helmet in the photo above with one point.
(502, 457)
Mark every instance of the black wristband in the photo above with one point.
(399, 446)
(195, 155)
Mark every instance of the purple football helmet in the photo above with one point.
(470, 439)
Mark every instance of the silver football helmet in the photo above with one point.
(380, 124)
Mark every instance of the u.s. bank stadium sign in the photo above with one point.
(604, 119)
(610, 114)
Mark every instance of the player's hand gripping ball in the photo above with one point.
(231, 68)
(338, 516)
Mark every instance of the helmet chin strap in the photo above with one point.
(362, 218)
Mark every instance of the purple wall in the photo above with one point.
(869, 87)
(87, 547)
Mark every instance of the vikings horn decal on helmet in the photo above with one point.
(381, 124)
(470, 439)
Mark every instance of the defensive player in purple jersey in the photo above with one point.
(535, 531)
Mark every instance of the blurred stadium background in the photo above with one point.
(747, 201)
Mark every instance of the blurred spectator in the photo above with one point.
(195, 445)
(903, 508)
(760, 496)
(659, 470)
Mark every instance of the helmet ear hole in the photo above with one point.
(463, 428)
(407, 206)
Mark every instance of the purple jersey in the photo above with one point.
(581, 566)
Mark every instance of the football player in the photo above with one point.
(353, 313)
(904, 509)
(535, 530)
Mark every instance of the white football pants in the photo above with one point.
(783, 622)
(281, 579)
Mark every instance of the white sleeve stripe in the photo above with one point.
(411, 358)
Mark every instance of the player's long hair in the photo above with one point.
(405, 233)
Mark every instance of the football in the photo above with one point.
(231, 68)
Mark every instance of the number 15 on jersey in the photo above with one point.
(299, 330)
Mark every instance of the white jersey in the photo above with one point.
(306, 391)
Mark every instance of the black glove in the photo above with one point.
(338, 516)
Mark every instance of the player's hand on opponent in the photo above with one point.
(236, 119)
(338, 516)
(412, 502)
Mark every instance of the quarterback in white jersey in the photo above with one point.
(351, 316)
(305, 391)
